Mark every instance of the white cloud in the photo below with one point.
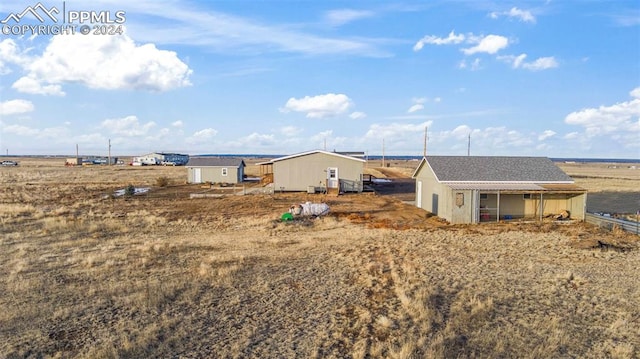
(161, 134)
(489, 44)
(543, 147)
(416, 107)
(628, 19)
(522, 15)
(103, 62)
(460, 133)
(321, 136)
(177, 123)
(20, 130)
(290, 131)
(343, 16)
(50, 133)
(128, 126)
(452, 38)
(474, 66)
(10, 54)
(483, 141)
(418, 103)
(13, 107)
(256, 141)
(357, 115)
(542, 63)
(572, 135)
(202, 135)
(619, 122)
(226, 33)
(518, 60)
(90, 139)
(546, 134)
(28, 84)
(395, 131)
(319, 106)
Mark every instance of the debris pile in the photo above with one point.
(309, 209)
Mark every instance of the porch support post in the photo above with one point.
(475, 208)
(498, 208)
(541, 206)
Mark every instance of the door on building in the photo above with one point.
(197, 175)
(434, 204)
(332, 177)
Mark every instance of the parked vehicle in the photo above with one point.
(8, 163)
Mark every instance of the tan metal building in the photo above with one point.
(314, 171)
(473, 189)
(215, 170)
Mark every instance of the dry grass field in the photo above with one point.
(84, 274)
(605, 177)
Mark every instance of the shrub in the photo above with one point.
(162, 181)
(130, 190)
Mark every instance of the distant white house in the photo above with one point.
(159, 158)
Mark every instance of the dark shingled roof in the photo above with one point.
(496, 169)
(215, 162)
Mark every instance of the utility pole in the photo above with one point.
(77, 153)
(469, 146)
(424, 154)
(383, 152)
(109, 152)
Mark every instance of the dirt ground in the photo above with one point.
(85, 274)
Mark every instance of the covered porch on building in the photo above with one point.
(504, 202)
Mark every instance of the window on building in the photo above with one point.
(225, 171)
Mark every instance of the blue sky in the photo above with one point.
(533, 78)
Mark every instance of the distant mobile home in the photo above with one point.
(94, 161)
(158, 158)
(215, 170)
(314, 170)
(473, 189)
